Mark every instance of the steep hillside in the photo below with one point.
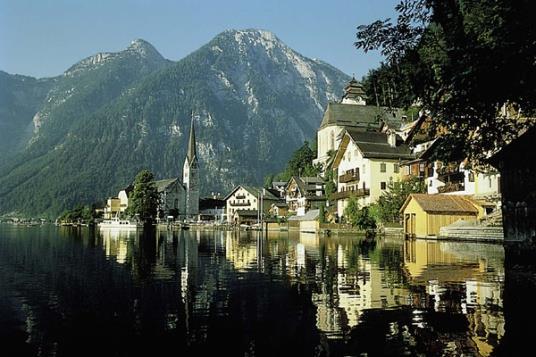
(255, 100)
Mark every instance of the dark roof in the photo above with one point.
(375, 145)
(306, 184)
(162, 185)
(353, 90)
(441, 203)
(519, 151)
(211, 203)
(128, 189)
(191, 154)
(352, 115)
(255, 191)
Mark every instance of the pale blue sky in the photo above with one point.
(45, 37)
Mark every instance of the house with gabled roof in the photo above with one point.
(365, 163)
(304, 193)
(424, 214)
(248, 198)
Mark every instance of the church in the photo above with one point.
(180, 198)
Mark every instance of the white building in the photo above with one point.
(365, 164)
(247, 198)
(351, 113)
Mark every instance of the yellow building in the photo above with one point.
(424, 214)
(112, 208)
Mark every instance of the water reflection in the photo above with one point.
(282, 293)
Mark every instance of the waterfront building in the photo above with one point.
(304, 193)
(171, 198)
(112, 208)
(248, 198)
(212, 209)
(424, 214)
(517, 165)
(279, 209)
(365, 163)
(178, 198)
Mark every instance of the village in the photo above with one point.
(365, 152)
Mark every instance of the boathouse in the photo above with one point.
(423, 214)
(517, 165)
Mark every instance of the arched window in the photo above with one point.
(332, 140)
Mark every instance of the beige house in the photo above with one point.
(247, 198)
(279, 209)
(425, 214)
(304, 193)
(365, 164)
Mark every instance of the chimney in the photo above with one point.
(391, 138)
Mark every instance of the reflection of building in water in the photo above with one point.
(115, 244)
(240, 251)
(349, 284)
(477, 268)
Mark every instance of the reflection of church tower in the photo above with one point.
(190, 174)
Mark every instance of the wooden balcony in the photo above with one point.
(349, 177)
(361, 192)
(451, 187)
(240, 204)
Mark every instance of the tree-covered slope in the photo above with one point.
(255, 100)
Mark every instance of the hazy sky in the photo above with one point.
(45, 37)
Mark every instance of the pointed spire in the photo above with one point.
(191, 155)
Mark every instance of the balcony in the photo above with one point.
(451, 187)
(361, 192)
(349, 177)
(240, 204)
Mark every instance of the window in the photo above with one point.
(332, 140)
(363, 169)
(489, 181)
(471, 177)
(383, 185)
(383, 167)
(396, 168)
(430, 183)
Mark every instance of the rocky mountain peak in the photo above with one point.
(144, 49)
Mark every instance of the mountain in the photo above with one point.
(20, 98)
(254, 99)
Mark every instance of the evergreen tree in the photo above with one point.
(143, 201)
(351, 212)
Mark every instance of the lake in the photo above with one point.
(82, 292)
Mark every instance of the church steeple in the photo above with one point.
(354, 93)
(190, 175)
(191, 155)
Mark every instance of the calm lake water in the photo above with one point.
(78, 292)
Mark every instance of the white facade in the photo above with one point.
(373, 175)
(328, 139)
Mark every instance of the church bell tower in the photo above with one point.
(190, 174)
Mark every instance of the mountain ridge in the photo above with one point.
(255, 100)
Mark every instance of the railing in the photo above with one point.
(451, 187)
(349, 177)
(350, 193)
(240, 204)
